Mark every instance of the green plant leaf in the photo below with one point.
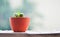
(18, 13)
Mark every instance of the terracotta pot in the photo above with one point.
(19, 24)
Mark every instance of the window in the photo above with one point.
(44, 14)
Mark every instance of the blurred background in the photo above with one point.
(44, 14)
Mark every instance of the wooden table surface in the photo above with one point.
(27, 34)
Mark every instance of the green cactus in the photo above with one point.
(19, 14)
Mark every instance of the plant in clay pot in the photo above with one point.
(19, 23)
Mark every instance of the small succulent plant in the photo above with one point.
(18, 14)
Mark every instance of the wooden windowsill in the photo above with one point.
(28, 34)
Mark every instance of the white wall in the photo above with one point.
(51, 12)
(54, 15)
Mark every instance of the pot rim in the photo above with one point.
(18, 17)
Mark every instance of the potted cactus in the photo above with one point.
(19, 23)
